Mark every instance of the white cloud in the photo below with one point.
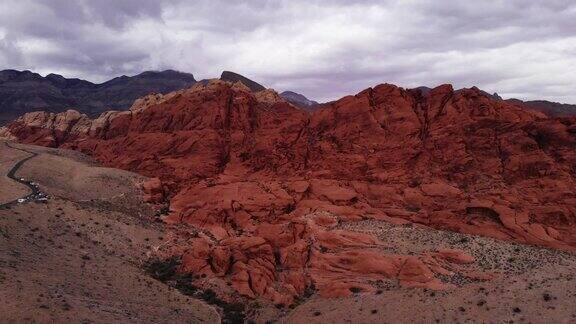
(324, 49)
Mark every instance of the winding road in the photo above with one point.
(34, 190)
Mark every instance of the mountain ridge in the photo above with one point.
(25, 91)
(270, 188)
(299, 100)
(550, 108)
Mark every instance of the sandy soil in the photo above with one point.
(78, 258)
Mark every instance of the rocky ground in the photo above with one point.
(79, 256)
(532, 285)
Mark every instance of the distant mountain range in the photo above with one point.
(549, 108)
(299, 100)
(552, 109)
(25, 91)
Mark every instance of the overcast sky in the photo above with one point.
(323, 49)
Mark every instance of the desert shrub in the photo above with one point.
(355, 290)
(289, 208)
(163, 270)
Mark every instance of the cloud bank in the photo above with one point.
(323, 49)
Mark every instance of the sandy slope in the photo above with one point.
(78, 257)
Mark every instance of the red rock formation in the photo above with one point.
(267, 183)
(153, 190)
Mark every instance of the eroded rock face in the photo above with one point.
(50, 129)
(281, 260)
(153, 191)
(5, 134)
(267, 184)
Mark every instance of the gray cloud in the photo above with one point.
(322, 48)
(9, 52)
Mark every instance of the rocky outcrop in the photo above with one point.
(267, 186)
(5, 134)
(50, 129)
(153, 191)
(283, 260)
(235, 77)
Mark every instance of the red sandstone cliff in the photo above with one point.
(265, 183)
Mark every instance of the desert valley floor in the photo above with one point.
(79, 257)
